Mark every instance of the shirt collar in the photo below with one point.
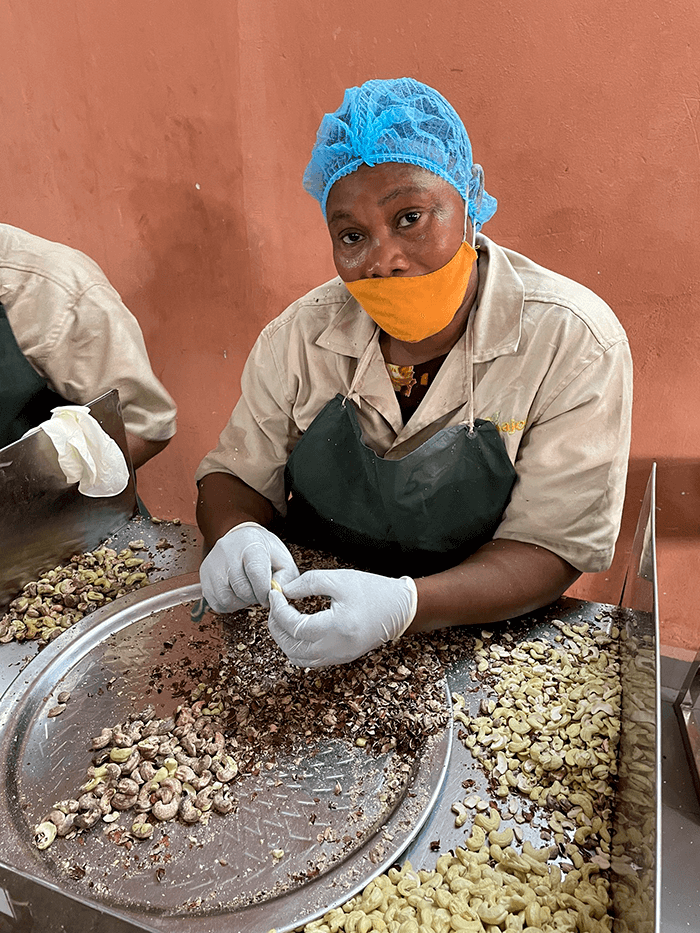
(497, 322)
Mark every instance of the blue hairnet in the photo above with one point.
(399, 120)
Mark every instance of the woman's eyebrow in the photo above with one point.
(404, 190)
(339, 215)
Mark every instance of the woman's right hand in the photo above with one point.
(238, 570)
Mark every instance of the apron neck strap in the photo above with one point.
(362, 367)
(470, 367)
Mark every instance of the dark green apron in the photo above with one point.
(25, 398)
(418, 515)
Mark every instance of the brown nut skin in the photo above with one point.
(225, 770)
(188, 811)
(145, 800)
(222, 803)
(131, 763)
(185, 717)
(63, 822)
(87, 801)
(121, 739)
(169, 785)
(106, 800)
(203, 764)
(202, 780)
(147, 713)
(186, 760)
(101, 740)
(186, 774)
(148, 749)
(147, 770)
(203, 800)
(134, 729)
(166, 811)
(166, 748)
(141, 829)
(127, 786)
(88, 818)
(67, 806)
(190, 744)
(216, 745)
(113, 772)
(123, 801)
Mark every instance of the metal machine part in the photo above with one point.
(687, 709)
(43, 519)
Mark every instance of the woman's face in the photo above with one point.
(393, 219)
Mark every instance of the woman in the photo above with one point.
(446, 412)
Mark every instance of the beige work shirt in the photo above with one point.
(552, 369)
(73, 328)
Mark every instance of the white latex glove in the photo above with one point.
(238, 570)
(366, 611)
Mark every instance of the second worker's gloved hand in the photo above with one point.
(238, 570)
(366, 611)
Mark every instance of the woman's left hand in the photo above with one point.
(366, 611)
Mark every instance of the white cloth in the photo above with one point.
(367, 610)
(87, 455)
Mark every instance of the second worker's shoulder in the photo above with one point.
(26, 254)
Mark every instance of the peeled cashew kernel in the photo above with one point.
(462, 814)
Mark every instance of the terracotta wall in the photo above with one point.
(167, 140)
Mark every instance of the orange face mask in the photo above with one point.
(414, 307)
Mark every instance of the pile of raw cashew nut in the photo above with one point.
(161, 769)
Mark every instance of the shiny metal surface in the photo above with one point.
(174, 549)
(636, 862)
(222, 876)
(687, 709)
(43, 520)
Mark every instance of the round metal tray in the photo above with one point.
(142, 649)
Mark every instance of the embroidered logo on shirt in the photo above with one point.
(506, 427)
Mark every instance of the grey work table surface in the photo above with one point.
(174, 548)
(680, 898)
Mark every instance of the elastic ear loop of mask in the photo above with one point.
(466, 216)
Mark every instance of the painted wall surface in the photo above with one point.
(167, 140)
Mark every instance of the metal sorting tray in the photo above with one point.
(179, 552)
(202, 877)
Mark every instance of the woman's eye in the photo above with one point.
(349, 239)
(410, 218)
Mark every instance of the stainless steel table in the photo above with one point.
(28, 903)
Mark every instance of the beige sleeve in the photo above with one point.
(572, 466)
(261, 433)
(97, 345)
